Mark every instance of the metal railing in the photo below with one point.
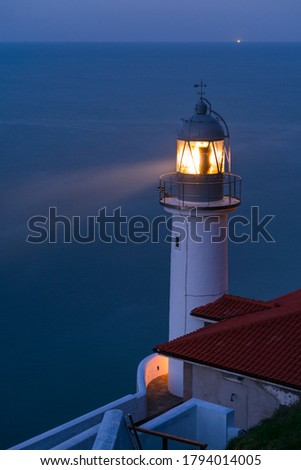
(165, 437)
(224, 191)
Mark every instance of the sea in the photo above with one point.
(90, 126)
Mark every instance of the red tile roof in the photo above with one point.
(264, 344)
(229, 306)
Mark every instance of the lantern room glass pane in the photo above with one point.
(200, 157)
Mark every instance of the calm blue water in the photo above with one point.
(84, 126)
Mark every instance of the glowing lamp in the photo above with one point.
(200, 157)
(202, 154)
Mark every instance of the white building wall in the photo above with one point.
(251, 399)
(199, 268)
(198, 274)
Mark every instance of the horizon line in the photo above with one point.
(225, 41)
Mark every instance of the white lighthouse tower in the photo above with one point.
(199, 195)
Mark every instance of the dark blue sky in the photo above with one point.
(152, 20)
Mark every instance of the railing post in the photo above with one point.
(133, 427)
(164, 443)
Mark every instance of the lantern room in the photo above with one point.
(201, 146)
(203, 162)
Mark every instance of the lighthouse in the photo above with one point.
(199, 195)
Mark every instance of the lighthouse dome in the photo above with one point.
(201, 127)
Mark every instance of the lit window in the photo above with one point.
(200, 158)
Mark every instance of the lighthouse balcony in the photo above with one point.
(212, 192)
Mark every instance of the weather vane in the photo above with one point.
(202, 86)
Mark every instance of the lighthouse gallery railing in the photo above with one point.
(175, 192)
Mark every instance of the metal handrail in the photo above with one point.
(165, 437)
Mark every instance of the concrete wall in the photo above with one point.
(113, 433)
(250, 399)
(80, 433)
(197, 420)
